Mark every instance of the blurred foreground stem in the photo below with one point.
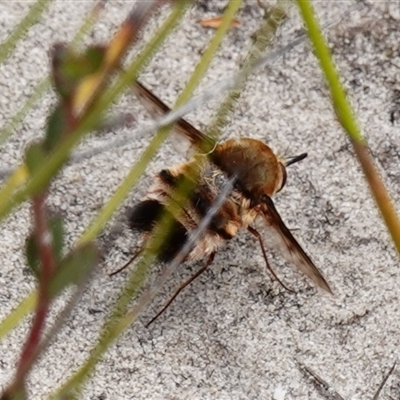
(119, 319)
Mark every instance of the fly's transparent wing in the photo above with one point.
(157, 108)
(288, 246)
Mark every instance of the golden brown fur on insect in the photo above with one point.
(237, 211)
(227, 219)
(259, 174)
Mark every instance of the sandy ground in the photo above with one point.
(234, 334)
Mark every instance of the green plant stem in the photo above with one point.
(343, 109)
(263, 37)
(20, 30)
(347, 119)
(13, 318)
(16, 119)
(118, 321)
(88, 23)
(45, 84)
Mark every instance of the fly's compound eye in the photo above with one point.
(284, 176)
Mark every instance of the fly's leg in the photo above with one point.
(132, 259)
(258, 236)
(188, 282)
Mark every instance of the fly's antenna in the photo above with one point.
(295, 159)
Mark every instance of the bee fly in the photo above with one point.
(259, 174)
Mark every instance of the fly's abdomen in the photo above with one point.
(144, 215)
(144, 219)
(187, 214)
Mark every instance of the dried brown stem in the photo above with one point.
(321, 384)
(379, 191)
(387, 376)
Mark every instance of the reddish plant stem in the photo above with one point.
(44, 243)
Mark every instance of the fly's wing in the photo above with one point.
(158, 109)
(289, 246)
